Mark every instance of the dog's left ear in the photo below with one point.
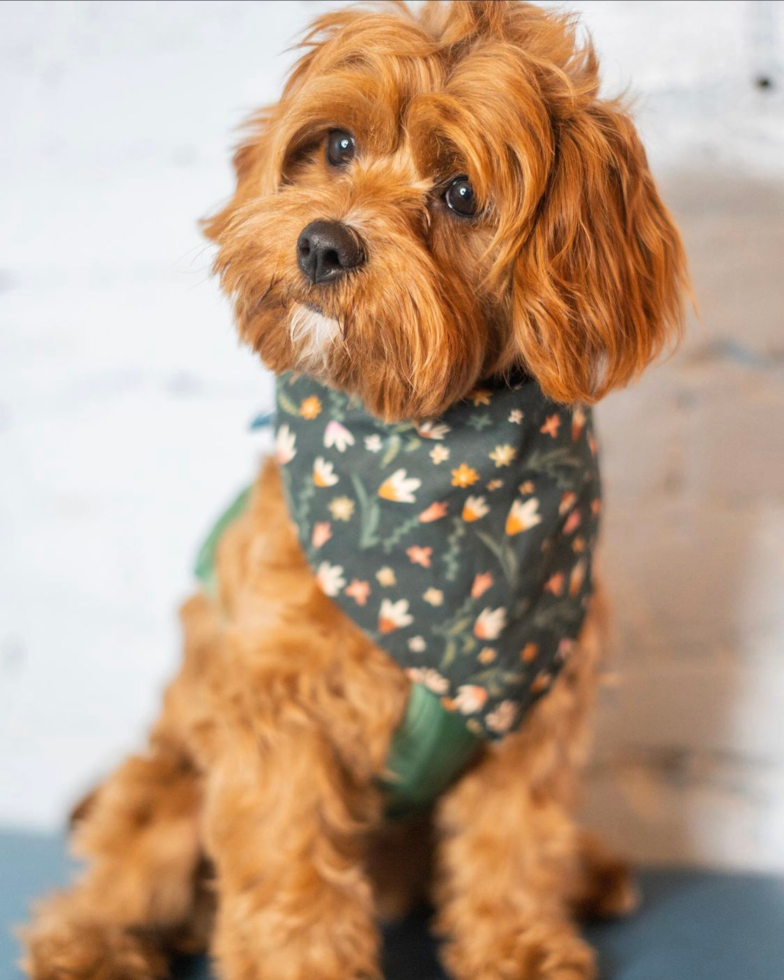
(597, 287)
(252, 170)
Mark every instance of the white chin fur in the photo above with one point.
(313, 334)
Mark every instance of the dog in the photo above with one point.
(440, 216)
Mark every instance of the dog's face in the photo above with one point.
(442, 197)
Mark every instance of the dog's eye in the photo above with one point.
(460, 198)
(340, 147)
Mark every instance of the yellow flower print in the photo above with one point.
(434, 597)
(516, 416)
(523, 516)
(480, 396)
(386, 576)
(399, 487)
(475, 508)
(341, 508)
(324, 473)
(487, 655)
(503, 455)
(464, 476)
(439, 454)
(310, 407)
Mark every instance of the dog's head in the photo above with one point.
(440, 197)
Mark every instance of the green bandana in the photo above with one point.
(461, 545)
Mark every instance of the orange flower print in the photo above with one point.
(541, 682)
(310, 407)
(578, 545)
(494, 485)
(578, 423)
(322, 532)
(464, 476)
(555, 584)
(568, 500)
(529, 652)
(481, 584)
(479, 396)
(577, 577)
(596, 507)
(419, 556)
(475, 508)
(434, 513)
(285, 445)
(358, 591)
(572, 521)
(551, 425)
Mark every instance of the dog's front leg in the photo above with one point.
(285, 825)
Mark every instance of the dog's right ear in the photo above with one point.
(251, 168)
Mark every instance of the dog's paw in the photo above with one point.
(58, 949)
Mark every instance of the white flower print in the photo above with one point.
(432, 430)
(324, 473)
(330, 578)
(475, 508)
(337, 435)
(431, 679)
(393, 615)
(285, 445)
(400, 488)
(502, 719)
(373, 443)
(516, 416)
(470, 699)
(386, 576)
(341, 508)
(417, 644)
(523, 516)
(490, 623)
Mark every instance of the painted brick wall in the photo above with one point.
(124, 400)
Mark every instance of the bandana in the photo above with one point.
(461, 545)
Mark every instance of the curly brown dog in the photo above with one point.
(473, 211)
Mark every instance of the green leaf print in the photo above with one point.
(392, 451)
(503, 552)
(287, 404)
(369, 514)
(451, 556)
(399, 533)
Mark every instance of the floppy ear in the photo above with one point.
(252, 160)
(597, 288)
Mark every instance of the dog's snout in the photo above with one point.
(327, 250)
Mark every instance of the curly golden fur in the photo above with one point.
(252, 824)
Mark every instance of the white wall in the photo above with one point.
(124, 400)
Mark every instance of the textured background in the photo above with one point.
(124, 401)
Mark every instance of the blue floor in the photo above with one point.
(693, 926)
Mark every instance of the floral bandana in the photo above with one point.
(461, 545)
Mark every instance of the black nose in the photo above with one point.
(328, 249)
